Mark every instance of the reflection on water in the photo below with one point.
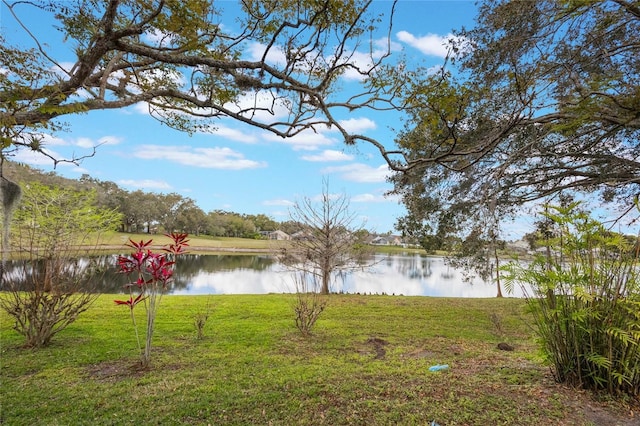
(416, 275)
(409, 275)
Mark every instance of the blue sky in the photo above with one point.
(239, 168)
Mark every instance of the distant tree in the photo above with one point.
(231, 224)
(262, 222)
(109, 194)
(48, 289)
(145, 208)
(129, 210)
(167, 209)
(240, 227)
(532, 239)
(216, 223)
(190, 218)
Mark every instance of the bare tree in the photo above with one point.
(326, 245)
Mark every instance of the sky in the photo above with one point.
(239, 168)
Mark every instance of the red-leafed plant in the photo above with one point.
(150, 276)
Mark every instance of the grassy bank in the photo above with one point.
(366, 364)
(208, 244)
(201, 243)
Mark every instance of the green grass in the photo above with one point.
(202, 243)
(207, 244)
(254, 367)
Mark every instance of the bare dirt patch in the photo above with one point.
(376, 346)
(113, 371)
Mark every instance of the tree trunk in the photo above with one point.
(325, 283)
(495, 253)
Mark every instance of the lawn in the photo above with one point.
(115, 241)
(200, 243)
(367, 363)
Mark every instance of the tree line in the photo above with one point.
(148, 212)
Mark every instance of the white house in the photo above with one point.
(276, 235)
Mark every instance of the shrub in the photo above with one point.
(49, 285)
(309, 302)
(585, 297)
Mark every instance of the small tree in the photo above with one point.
(49, 286)
(324, 246)
(585, 297)
(327, 243)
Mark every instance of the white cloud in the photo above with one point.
(152, 76)
(276, 56)
(235, 134)
(307, 140)
(364, 60)
(384, 43)
(210, 158)
(49, 140)
(81, 142)
(358, 125)
(360, 61)
(85, 143)
(141, 108)
(157, 37)
(323, 136)
(78, 170)
(261, 106)
(359, 172)
(280, 202)
(369, 198)
(145, 184)
(109, 140)
(279, 213)
(63, 68)
(328, 155)
(319, 198)
(231, 134)
(35, 158)
(430, 44)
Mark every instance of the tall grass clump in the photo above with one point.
(584, 293)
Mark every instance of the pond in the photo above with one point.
(409, 275)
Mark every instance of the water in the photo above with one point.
(409, 275)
